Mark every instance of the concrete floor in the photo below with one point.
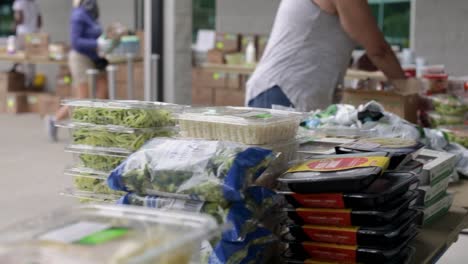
(32, 176)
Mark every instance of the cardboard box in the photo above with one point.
(58, 51)
(201, 77)
(37, 45)
(229, 98)
(48, 104)
(16, 103)
(437, 166)
(233, 81)
(227, 42)
(203, 96)
(12, 82)
(436, 209)
(33, 101)
(430, 193)
(404, 101)
(216, 56)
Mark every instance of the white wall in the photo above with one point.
(440, 33)
(246, 16)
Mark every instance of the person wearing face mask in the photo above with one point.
(84, 34)
(309, 51)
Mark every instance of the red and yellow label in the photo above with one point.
(325, 200)
(339, 164)
(330, 252)
(335, 235)
(334, 217)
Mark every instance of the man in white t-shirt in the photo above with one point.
(28, 19)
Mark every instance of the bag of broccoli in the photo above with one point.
(213, 171)
(253, 249)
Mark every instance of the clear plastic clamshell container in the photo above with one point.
(251, 126)
(135, 114)
(346, 132)
(87, 180)
(98, 234)
(437, 119)
(97, 159)
(445, 104)
(86, 197)
(111, 136)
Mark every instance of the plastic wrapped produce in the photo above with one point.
(445, 104)
(238, 124)
(212, 171)
(457, 134)
(123, 113)
(106, 234)
(111, 136)
(98, 159)
(87, 197)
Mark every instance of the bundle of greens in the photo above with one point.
(130, 140)
(212, 171)
(444, 120)
(94, 185)
(457, 134)
(135, 118)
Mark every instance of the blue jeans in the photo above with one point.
(270, 97)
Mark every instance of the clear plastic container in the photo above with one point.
(97, 159)
(444, 120)
(251, 126)
(95, 234)
(111, 136)
(90, 181)
(445, 104)
(90, 197)
(135, 114)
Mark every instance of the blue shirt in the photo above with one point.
(84, 33)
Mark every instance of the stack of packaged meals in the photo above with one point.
(438, 168)
(354, 207)
(103, 134)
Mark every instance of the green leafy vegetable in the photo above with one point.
(100, 163)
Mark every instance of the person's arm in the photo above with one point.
(357, 20)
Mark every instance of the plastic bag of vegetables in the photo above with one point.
(204, 170)
(445, 104)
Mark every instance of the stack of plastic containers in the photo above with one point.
(438, 167)
(355, 207)
(107, 234)
(103, 134)
(448, 110)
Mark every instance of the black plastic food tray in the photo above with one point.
(385, 237)
(331, 252)
(384, 189)
(348, 217)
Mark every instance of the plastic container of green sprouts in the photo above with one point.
(111, 136)
(97, 159)
(134, 114)
(87, 180)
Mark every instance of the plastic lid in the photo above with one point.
(239, 115)
(387, 184)
(122, 104)
(85, 172)
(114, 128)
(100, 151)
(383, 143)
(90, 196)
(347, 132)
(106, 234)
(436, 76)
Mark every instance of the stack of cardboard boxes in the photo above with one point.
(220, 88)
